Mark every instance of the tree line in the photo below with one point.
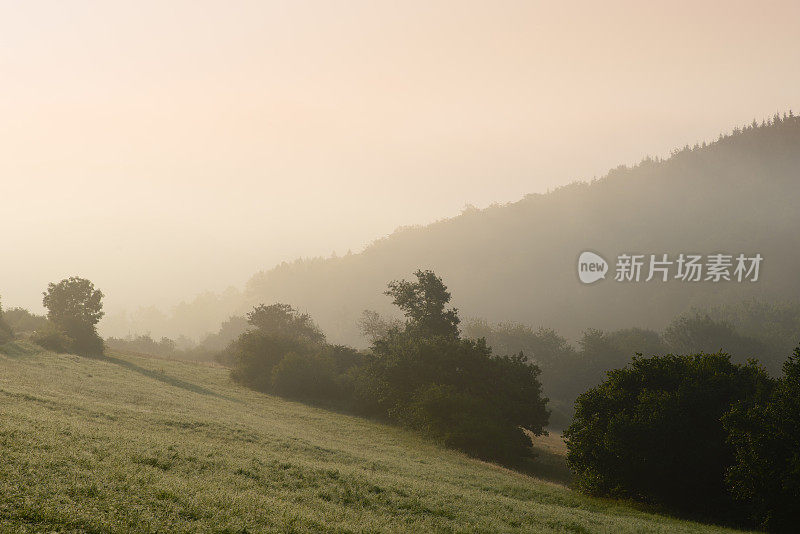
(420, 373)
(745, 330)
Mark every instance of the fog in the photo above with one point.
(165, 149)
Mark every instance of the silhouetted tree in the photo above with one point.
(374, 326)
(283, 319)
(426, 377)
(74, 306)
(701, 333)
(423, 302)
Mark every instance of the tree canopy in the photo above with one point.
(72, 300)
(424, 304)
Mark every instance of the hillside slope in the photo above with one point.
(518, 261)
(128, 443)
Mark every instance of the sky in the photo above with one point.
(162, 149)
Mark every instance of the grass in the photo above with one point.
(128, 443)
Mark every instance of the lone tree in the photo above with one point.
(74, 306)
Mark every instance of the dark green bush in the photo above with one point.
(653, 432)
(455, 389)
(255, 354)
(6, 332)
(465, 422)
(24, 322)
(765, 436)
(86, 342)
(52, 339)
(308, 377)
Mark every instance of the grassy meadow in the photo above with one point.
(133, 444)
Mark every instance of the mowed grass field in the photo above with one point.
(132, 444)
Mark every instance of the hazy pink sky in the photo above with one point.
(163, 148)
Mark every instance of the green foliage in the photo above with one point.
(700, 332)
(74, 306)
(309, 377)
(765, 436)
(23, 321)
(601, 351)
(85, 339)
(284, 320)
(465, 422)
(423, 303)
(412, 376)
(6, 332)
(426, 377)
(373, 326)
(286, 354)
(653, 432)
(228, 331)
(73, 300)
(775, 325)
(256, 353)
(567, 372)
(53, 339)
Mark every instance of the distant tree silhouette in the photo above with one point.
(75, 307)
(424, 304)
(283, 319)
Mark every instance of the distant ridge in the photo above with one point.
(517, 261)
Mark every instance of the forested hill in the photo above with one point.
(519, 261)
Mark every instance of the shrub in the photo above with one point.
(465, 422)
(52, 339)
(653, 432)
(307, 377)
(85, 340)
(22, 321)
(6, 332)
(256, 353)
(456, 389)
(765, 436)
